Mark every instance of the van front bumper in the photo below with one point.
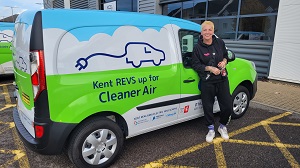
(53, 141)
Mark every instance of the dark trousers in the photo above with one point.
(221, 90)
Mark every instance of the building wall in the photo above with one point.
(285, 62)
(48, 4)
(73, 4)
(149, 6)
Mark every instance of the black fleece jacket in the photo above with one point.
(208, 55)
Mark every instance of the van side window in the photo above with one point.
(187, 39)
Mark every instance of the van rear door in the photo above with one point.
(28, 60)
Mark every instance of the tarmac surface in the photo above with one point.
(278, 94)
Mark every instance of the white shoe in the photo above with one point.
(210, 136)
(223, 132)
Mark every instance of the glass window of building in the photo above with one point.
(173, 9)
(187, 9)
(193, 9)
(134, 5)
(256, 19)
(124, 5)
(199, 8)
(225, 28)
(222, 8)
(199, 21)
(257, 28)
(259, 6)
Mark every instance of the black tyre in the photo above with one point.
(96, 143)
(240, 102)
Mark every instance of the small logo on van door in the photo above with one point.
(135, 54)
(21, 64)
(186, 109)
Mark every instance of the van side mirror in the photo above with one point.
(231, 55)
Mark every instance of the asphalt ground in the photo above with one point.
(266, 136)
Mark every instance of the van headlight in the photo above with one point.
(253, 65)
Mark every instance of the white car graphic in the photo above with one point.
(145, 51)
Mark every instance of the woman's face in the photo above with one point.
(207, 32)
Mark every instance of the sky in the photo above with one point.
(19, 6)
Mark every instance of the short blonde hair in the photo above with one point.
(209, 23)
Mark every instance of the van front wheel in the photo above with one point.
(96, 143)
(240, 102)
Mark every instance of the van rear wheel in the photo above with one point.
(96, 143)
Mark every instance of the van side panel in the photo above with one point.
(135, 68)
(119, 63)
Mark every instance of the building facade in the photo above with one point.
(234, 19)
(285, 57)
(248, 27)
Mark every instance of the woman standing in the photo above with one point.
(209, 60)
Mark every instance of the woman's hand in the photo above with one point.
(222, 64)
(215, 70)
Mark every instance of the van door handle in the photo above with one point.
(189, 80)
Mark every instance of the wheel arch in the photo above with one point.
(115, 117)
(248, 84)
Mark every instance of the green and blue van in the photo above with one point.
(6, 36)
(86, 80)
